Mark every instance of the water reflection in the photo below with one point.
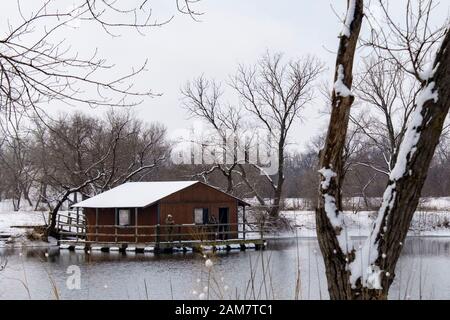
(422, 273)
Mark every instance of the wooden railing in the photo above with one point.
(73, 225)
(72, 222)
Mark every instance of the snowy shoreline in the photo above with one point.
(430, 221)
(424, 223)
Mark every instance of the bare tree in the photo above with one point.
(16, 165)
(275, 94)
(137, 149)
(368, 272)
(88, 156)
(37, 66)
(202, 100)
(373, 268)
(384, 87)
(410, 44)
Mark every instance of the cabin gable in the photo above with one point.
(198, 192)
(182, 204)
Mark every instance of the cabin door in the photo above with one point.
(224, 218)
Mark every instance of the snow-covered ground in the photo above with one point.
(424, 223)
(442, 203)
(10, 220)
(14, 224)
(432, 219)
(426, 203)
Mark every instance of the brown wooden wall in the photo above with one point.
(180, 205)
(106, 217)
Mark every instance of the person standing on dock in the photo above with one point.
(212, 230)
(170, 225)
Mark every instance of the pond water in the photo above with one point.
(422, 272)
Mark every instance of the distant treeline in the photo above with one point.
(78, 151)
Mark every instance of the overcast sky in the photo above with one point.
(230, 32)
(233, 32)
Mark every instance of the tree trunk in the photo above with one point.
(51, 228)
(26, 195)
(367, 273)
(16, 202)
(406, 180)
(229, 183)
(329, 203)
(260, 199)
(275, 209)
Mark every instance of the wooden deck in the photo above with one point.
(74, 235)
(164, 247)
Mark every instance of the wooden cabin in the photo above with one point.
(137, 212)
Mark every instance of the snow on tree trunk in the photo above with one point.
(368, 271)
(374, 264)
(331, 231)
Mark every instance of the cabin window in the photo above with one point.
(124, 217)
(201, 215)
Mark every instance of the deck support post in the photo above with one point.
(78, 223)
(157, 234)
(75, 200)
(158, 223)
(243, 221)
(136, 225)
(69, 220)
(115, 224)
(96, 224)
(58, 224)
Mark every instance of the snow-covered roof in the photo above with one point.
(134, 194)
(139, 194)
